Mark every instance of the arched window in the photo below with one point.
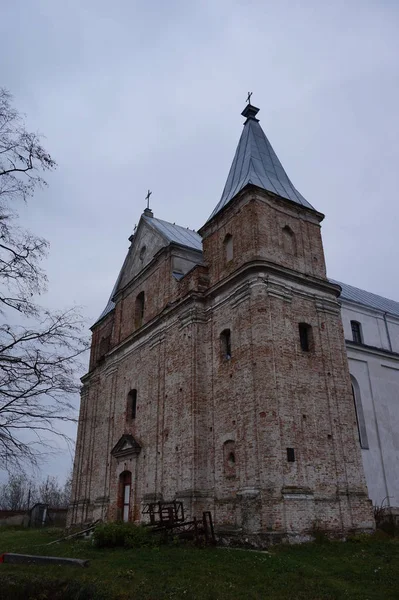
(289, 240)
(357, 332)
(305, 336)
(225, 344)
(142, 253)
(125, 485)
(131, 405)
(139, 310)
(228, 248)
(361, 423)
(229, 458)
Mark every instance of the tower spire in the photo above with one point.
(256, 163)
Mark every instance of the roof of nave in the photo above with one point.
(358, 296)
(175, 234)
(255, 162)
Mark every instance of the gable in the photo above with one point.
(151, 236)
(146, 242)
(126, 446)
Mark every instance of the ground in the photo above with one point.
(365, 568)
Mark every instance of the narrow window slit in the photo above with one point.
(225, 344)
(305, 336)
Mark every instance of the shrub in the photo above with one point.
(128, 535)
(320, 535)
(384, 519)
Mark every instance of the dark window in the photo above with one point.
(139, 310)
(356, 332)
(360, 421)
(228, 247)
(305, 336)
(290, 455)
(104, 346)
(225, 344)
(131, 405)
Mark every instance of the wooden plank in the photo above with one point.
(31, 559)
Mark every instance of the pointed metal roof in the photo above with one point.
(256, 162)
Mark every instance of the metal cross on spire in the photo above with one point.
(148, 198)
(249, 97)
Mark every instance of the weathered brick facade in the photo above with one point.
(262, 432)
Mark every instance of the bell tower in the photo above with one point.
(281, 394)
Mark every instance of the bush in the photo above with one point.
(128, 535)
(320, 535)
(384, 519)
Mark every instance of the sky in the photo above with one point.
(132, 96)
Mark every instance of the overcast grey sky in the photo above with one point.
(134, 95)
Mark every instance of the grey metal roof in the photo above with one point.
(256, 162)
(353, 294)
(175, 233)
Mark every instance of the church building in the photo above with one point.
(371, 327)
(218, 371)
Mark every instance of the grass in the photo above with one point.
(364, 569)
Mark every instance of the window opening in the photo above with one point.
(139, 309)
(289, 240)
(228, 247)
(131, 404)
(104, 346)
(225, 343)
(229, 458)
(305, 336)
(356, 332)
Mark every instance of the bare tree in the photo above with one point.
(40, 355)
(67, 489)
(50, 492)
(19, 493)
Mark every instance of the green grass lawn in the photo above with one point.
(366, 569)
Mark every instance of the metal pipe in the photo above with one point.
(387, 330)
